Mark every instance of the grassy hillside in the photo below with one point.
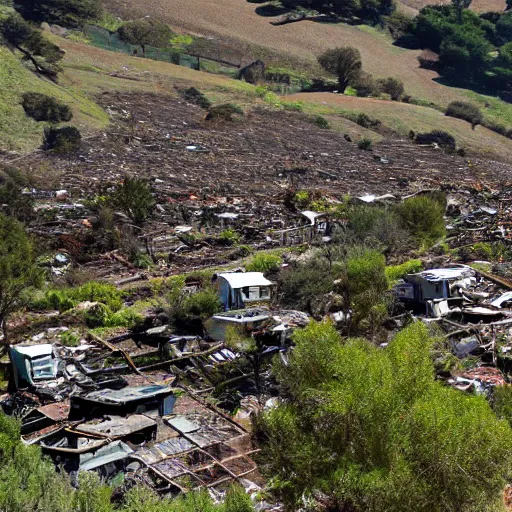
(238, 20)
(403, 118)
(21, 133)
(90, 71)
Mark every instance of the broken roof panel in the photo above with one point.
(105, 455)
(33, 351)
(445, 274)
(117, 426)
(130, 394)
(243, 279)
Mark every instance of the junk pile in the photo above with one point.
(474, 309)
(132, 408)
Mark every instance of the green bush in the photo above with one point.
(467, 111)
(366, 121)
(365, 144)
(442, 139)
(229, 236)
(263, 262)
(61, 140)
(68, 13)
(45, 108)
(193, 95)
(322, 122)
(63, 299)
(302, 283)
(375, 431)
(423, 217)
(371, 223)
(225, 112)
(396, 272)
(135, 198)
(202, 304)
(365, 85)
(392, 86)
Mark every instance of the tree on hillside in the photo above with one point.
(18, 270)
(18, 34)
(459, 6)
(374, 431)
(344, 62)
(69, 13)
(146, 33)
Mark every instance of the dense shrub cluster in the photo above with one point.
(195, 96)
(467, 111)
(365, 10)
(61, 140)
(224, 112)
(68, 13)
(374, 430)
(45, 108)
(466, 44)
(442, 139)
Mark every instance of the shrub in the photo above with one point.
(392, 86)
(442, 139)
(61, 140)
(202, 304)
(365, 85)
(302, 198)
(263, 262)
(396, 272)
(68, 13)
(229, 236)
(370, 223)
(193, 95)
(146, 32)
(135, 198)
(423, 217)
(225, 112)
(63, 299)
(366, 121)
(322, 122)
(365, 144)
(467, 111)
(375, 431)
(45, 108)
(300, 284)
(344, 63)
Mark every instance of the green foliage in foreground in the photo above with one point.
(395, 272)
(29, 482)
(263, 262)
(63, 299)
(373, 429)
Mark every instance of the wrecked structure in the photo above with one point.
(236, 289)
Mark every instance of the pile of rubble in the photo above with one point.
(135, 408)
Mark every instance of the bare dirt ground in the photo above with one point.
(237, 19)
(260, 154)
